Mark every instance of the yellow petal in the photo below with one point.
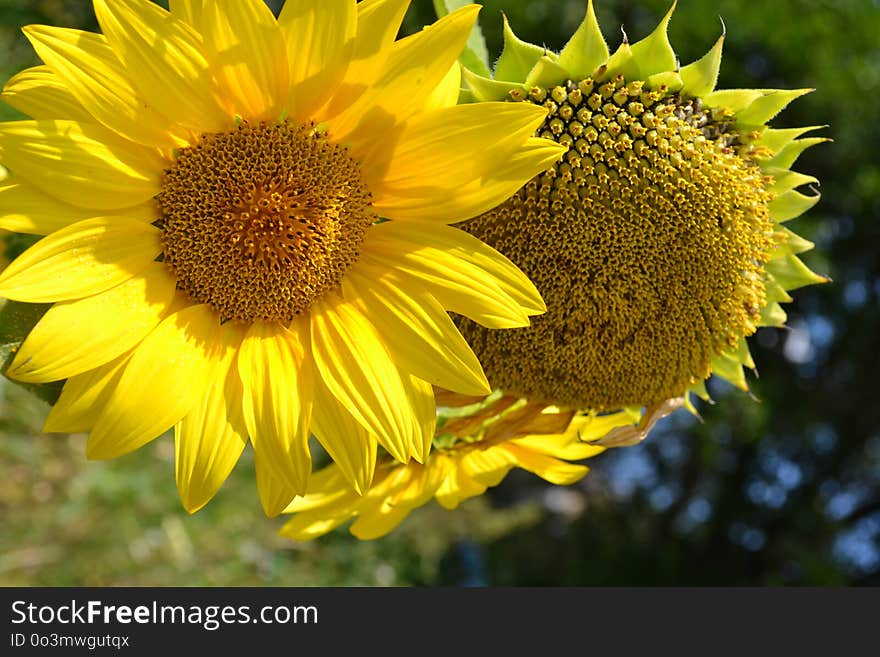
(378, 522)
(457, 487)
(209, 440)
(84, 397)
(190, 11)
(458, 191)
(421, 399)
(275, 493)
(311, 524)
(165, 60)
(378, 22)
(446, 93)
(40, 94)
(85, 165)
(166, 376)
(320, 38)
(560, 446)
(327, 487)
(25, 209)
(351, 447)
(87, 66)
(411, 72)
(487, 466)
(278, 394)
(76, 336)
(246, 51)
(548, 468)
(356, 368)
(594, 427)
(434, 151)
(83, 259)
(419, 334)
(379, 512)
(463, 274)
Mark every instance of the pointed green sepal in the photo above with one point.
(670, 80)
(546, 73)
(654, 53)
(689, 405)
(774, 291)
(728, 367)
(791, 204)
(621, 62)
(475, 56)
(784, 180)
(517, 58)
(701, 76)
(792, 243)
(733, 100)
(586, 50)
(791, 273)
(789, 154)
(466, 97)
(773, 315)
(700, 391)
(743, 355)
(775, 139)
(768, 105)
(483, 88)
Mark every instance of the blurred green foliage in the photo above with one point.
(782, 487)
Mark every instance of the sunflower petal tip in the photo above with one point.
(192, 506)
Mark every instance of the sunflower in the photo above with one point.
(246, 234)
(658, 239)
(657, 242)
(463, 464)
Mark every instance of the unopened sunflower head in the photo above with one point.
(658, 239)
(245, 231)
(475, 448)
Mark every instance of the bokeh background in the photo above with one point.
(780, 487)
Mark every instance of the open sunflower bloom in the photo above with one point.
(658, 242)
(246, 234)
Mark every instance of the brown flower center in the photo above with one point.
(261, 221)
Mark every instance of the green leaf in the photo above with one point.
(475, 56)
(16, 321)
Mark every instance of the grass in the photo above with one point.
(68, 521)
